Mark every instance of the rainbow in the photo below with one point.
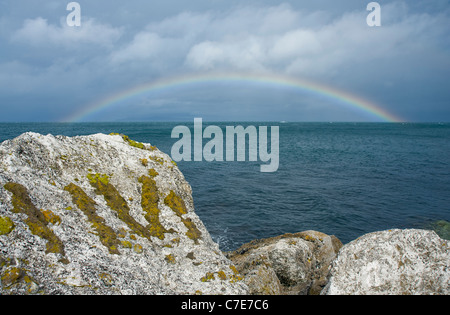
(340, 97)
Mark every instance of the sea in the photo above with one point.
(342, 179)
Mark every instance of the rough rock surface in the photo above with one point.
(392, 263)
(289, 264)
(102, 214)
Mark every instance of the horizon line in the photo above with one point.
(340, 97)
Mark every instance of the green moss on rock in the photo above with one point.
(149, 202)
(222, 275)
(133, 143)
(144, 162)
(156, 159)
(129, 141)
(138, 248)
(98, 177)
(36, 220)
(50, 217)
(208, 277)
(170, 259)
(152, 173)
(17, 277)
(117, 203)
(6, 225)
(179, 207)
(107, 235)
(127, 244)
(12, 276)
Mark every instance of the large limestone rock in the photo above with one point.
(391, 263)
(102, 214)
(288, 264)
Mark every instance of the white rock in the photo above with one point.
(45, 166)
(391, 263)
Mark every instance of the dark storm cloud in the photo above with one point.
(50, 70)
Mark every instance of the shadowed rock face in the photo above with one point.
(394, 262)
(288, 264)
(102, 214)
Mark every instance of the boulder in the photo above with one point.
(394, 262)
(288, 264)
(102, 214)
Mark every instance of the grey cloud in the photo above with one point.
(38, 32)
(322, 40)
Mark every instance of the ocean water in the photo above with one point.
(344, 179)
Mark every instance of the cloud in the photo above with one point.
(291, 46)
(38, 32)
(45, 57)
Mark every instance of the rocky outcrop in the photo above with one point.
(391, 263)
(289, 264)
(102, 214)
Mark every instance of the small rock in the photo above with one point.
(288, 264)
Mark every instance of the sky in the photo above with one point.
(52, 72)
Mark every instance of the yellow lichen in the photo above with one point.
(138, 248)
(234, 269)
(127, 244)
(176, 241)
(152, 173)
(144, 162)
(308, 238)
(133, 143)
(122, 233)
(36, 220)
(156, 159)
(4, 262)
(149, 202)
(6, 225)
(178, 206)
(104, 179)
(11, 276)
(15, 276)
(50, 217)
(117, 203)
(209, 276)
(236, 276)
(222, 275)
(170, 259)
(87, 205)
